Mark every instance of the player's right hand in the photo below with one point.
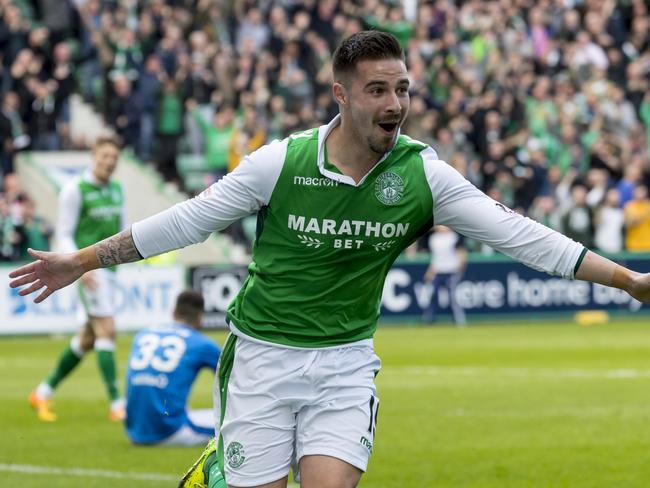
(50, 270)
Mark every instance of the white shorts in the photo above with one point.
(187, 435)
(282, 404)
(100, 302)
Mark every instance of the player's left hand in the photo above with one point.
(639, 287)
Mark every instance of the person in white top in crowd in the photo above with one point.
(448, 260)
(609, 223)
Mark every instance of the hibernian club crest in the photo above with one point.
(235, 454)
(389, 188)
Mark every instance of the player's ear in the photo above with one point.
(339, 93)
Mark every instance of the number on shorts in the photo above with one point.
(374, 413)
(161, 353)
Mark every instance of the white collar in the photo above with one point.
(89, 176)
(323, 132)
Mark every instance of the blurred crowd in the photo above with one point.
(544, 105)
(20, 226)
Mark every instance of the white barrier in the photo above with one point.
(145, 296)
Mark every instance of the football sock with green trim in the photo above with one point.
(214, 475)
(105, 349)
(68, 360)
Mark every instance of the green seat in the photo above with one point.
(195, 180)
(190, 163)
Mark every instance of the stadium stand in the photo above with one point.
(145, 191)
(528, 100)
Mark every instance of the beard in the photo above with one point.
(364, 126)
(381, 145)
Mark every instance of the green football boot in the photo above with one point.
(197, 475)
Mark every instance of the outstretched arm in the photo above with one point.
(53, 270)
(521, 238)
(114, 250)
(598, 269)
(240, 193)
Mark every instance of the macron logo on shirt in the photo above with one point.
(309, 181)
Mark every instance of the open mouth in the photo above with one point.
(388, 127)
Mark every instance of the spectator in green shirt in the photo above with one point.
(393, 22)
(645, 116)
(217, 137)
(169, 128)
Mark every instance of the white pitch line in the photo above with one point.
(92, 473)
(86, 473)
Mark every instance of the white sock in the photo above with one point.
(75, 346)
(44, 391)
(104, 344)
(118, 403)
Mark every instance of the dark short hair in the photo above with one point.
(365, 45)
(189, 306)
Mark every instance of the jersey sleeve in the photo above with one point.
(243, 191)
(463, 207)
(68, 217)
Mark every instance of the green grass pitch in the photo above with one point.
(543, 405)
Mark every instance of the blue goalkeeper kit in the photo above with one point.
(163, 364)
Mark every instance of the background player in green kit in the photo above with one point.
(336, 205)
(91, 208)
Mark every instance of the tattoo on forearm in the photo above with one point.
(117, 249)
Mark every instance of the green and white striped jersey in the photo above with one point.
(324, 243)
